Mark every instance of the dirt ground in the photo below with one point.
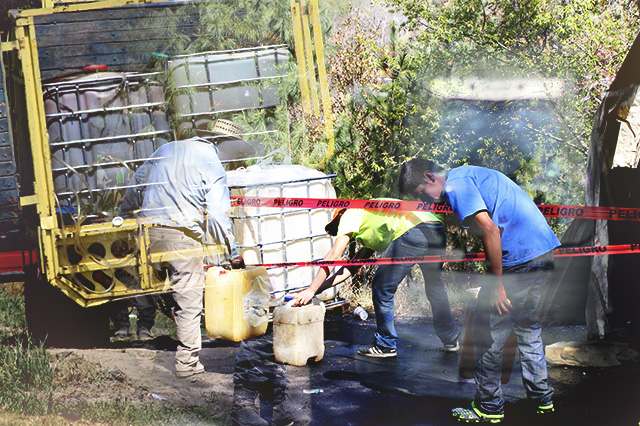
(141, 374)
(417, 389)
(341, 389)
(357, 391)
(146, 375)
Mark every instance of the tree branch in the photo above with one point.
(581, 149)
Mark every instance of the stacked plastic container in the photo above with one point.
(209, 84)
(101, 127)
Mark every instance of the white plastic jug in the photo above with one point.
(298, 333)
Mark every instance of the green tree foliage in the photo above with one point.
(242, 23)
(371, 88)
(582, 43)
(224, 25)
(390, 106)
(542, 144)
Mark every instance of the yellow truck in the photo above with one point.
(88, 95)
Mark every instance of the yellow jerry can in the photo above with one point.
(236, 303)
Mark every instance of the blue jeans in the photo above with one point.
(422, 240)
(522, 284)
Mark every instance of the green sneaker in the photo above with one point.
(545, 409)
(473, 415)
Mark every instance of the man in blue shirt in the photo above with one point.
(518, 245)
(182, 189)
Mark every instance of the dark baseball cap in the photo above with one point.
(332, 227)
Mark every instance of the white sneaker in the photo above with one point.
(451, 347)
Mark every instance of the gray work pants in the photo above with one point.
(187, 277)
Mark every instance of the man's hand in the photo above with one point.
(237, 263)
(498, 299)
(302, 298)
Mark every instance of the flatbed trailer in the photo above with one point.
(72, 72)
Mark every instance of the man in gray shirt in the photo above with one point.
(182, 188)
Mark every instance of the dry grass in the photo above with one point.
(13, 419)
(13, 290)
(410, 299)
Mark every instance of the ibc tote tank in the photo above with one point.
(209, 83)
(275, 235)
(102, 126)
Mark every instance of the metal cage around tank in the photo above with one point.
(210, 85)
(101, 127)
(268, 235)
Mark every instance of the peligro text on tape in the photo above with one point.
(591, 212)
(321, 203)
(559, 252)
(561, 211)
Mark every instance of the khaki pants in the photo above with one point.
(187, 277)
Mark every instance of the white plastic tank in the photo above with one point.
(207, 83)
(101, 126)
(298, 333)
(276, 235)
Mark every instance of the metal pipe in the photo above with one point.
(109, 138)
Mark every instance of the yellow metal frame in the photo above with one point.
(55, 6)
(139, 261)
(53, 239)
(305, 13)
(43, 185)
(69, 273)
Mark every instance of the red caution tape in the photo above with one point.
(579, 212)
(590, 212)
(559, 252)
(334, 203)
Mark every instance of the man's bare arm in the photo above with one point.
(490, 235)
(339, 245)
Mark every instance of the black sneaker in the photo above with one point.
(145, 334)
(377, 351)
